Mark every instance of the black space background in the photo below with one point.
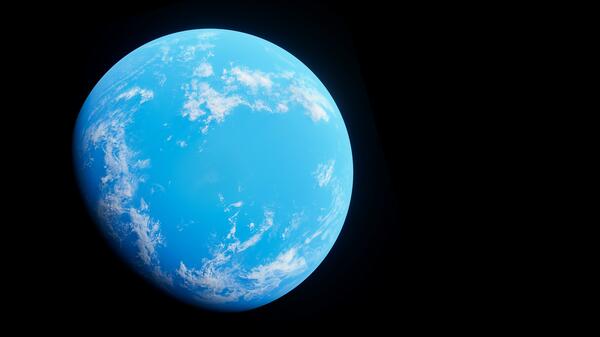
(392, 70)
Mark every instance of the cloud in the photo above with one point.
(182, 143)
(215, 283)
(142, 164)
(335, 210)
(232, 220)
(143, 205)
(260, 105)
(120, 182)
(162, 277)
(202, 36)
(316, 105)
(254, 239)
(191, 110)
(203, 70)
(202, 94)
(336, 207)
(237, 204)
(191, 106)
(324, 172)
(145, 94)
(204, 43)
(219, 104)
(293, 225)
(220, 279)
(287, 75)
(148, 234)
(212, 280)
(165, 54)
(254, 79)
(205, 46)
(313, 236)
(268, 276)
(188, 53)
(162, 78)
(281, 107)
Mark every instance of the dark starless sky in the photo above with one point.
(373, 61)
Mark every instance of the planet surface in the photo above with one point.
(217, 165)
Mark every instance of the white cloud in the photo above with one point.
(217, 283)
(182, 143)
(238, 246)
(203, 70)
(332, 216)
(222, 279)
(148, 234)
(187, 53)
(285, 233)
(204, 43)
(162, 277)
(324, 172)
(336, 207)
(260, 105)
(281, 107)
(161, 77)
(237, 204)
(219, 105)
(142, 163)
(207, 35)
(293, 225)
(253, 240)
(120, 183)
(143, 204)
(316, 105)
(287, 75)
(145, 94)
(202, 94)
(216, 276)
(96, 133)
(191, 109)
(156, 188)
(191, 106)
(313, 236)
(268, 276)
(165, 54)
(212, 279)
(232, 220)
(254, 79)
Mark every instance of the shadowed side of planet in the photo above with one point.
(218, 166)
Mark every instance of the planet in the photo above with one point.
(217, 166)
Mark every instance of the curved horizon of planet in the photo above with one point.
(217, 165)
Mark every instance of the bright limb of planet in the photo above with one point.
(217, 165)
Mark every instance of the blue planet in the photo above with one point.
(217, 165)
